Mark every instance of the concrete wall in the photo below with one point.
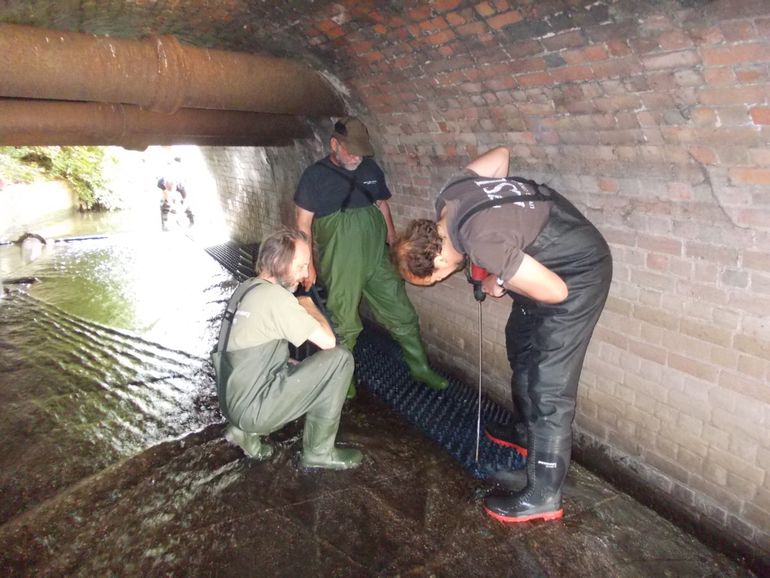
(652, 115)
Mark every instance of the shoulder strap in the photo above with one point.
(229, 314)
(352, 185)
(538, 196)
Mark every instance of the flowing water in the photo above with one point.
(104, 344)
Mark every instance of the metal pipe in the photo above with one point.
(30, 122)
(157, 73)
(145, 141)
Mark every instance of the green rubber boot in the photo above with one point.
(318, 449)
(417, 361)
(250, 443)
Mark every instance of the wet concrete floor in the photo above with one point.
(113, 460)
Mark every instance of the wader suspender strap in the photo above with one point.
(232, 307)
(352, 185)
(538, 196)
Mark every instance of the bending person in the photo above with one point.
(342, 204)
(557, 268)
(259, 389)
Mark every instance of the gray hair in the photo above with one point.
(276, 252)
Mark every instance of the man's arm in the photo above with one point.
(384, 208)
(323, 336)
(492, 163)
(304, 220)
(532, 280)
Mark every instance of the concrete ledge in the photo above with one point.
(691, 511)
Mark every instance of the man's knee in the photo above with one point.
(338, 357)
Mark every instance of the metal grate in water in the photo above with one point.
(236, 257)
(447, 417)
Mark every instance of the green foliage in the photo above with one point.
(81, 167)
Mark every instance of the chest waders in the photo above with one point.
(259, 392)
(546, 346)
(353, 264)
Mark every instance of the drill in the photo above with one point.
(475, 276)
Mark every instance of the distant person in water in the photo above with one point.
(173, 200)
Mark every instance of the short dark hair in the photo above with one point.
(276, 252)
(416, 248)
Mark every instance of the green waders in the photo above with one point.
(260, 391)
(353, 263)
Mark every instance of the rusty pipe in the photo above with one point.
(156, 73)
(141, 143)
(30, 122)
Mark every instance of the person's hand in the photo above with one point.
(309, 281)
(490, 287)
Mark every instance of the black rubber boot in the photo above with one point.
(165, 209)
(509, 480)
(547, 467)
(318, 449)
(417, 360)
(512, 435)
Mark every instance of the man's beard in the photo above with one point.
(288, 284)
(351, 166)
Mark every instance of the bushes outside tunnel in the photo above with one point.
(80, 167)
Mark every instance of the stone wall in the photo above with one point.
(256, 185)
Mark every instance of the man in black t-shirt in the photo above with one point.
(538, 248)
(342, 204)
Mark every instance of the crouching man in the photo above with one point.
(259, 389)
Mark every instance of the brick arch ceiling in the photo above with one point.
(393, 56)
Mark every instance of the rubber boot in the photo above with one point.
(512, 435)
(547, 466)
(417, 361)
(165, 209)
(318, 449)
(250, 443)
(510, 480)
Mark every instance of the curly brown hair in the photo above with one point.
(416, 248)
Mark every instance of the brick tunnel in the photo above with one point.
(651, 116)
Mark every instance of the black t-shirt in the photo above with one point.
(325, 188)
(494, 238)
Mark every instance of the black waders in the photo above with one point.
(546, 346)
